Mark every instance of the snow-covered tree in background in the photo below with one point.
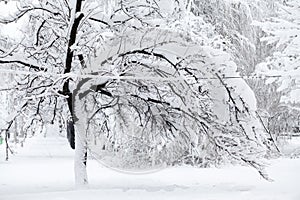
(233, 20)
(142, 80)
(283, 31)
(282, 66)
(236, 21)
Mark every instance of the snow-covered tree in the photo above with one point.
(233, 20)
(148, 81)
(283, 65)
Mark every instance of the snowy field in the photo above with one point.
(43, 170)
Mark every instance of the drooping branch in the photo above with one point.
(31, 66)
(8, 127)
(142, 51)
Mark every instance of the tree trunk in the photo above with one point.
(80, 159)
(80, 122)
(80, 118)
(80, 154)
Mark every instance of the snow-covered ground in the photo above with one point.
(43, 170)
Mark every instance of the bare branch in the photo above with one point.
(98, 20)
(22, 13)
(31, 66)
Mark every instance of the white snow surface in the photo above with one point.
(43, 170)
